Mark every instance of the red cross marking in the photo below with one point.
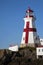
(27, 30)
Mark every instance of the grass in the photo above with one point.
(30, 48)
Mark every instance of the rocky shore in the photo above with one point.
(25, 56)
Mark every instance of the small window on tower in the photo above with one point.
(39, 50)
(23, 38)
(42, 50)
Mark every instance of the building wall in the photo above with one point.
(41, 41)
(39, 50)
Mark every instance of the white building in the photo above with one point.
(41, 41)
(39, 51)
(13, 48)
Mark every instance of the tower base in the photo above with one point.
(29, 45)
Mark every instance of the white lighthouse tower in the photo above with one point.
(29, 37)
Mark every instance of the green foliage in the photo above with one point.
(31, 48)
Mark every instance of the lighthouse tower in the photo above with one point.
(29, 37)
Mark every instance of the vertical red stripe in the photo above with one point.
(27, 30)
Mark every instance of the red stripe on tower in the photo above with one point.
(27, 30)
(29, 10)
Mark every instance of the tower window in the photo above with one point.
(39, 50)
(42, 50)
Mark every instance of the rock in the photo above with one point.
(25, 56)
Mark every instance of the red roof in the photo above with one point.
(12, 45)
(29, 10)
(29, 16)
(40, 46)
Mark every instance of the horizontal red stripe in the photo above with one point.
(29, 16)
(30, 29)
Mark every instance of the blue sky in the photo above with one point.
(11, 20)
